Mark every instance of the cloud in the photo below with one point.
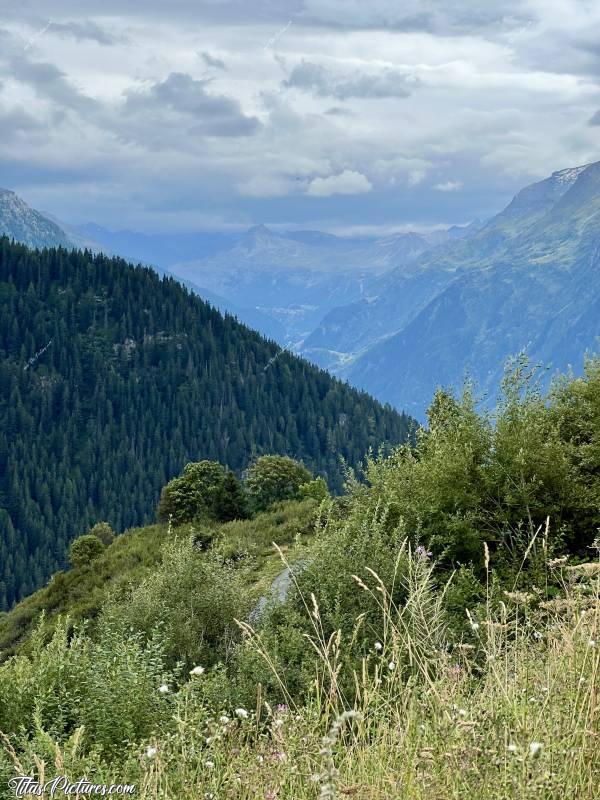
(211, 61)
(595, 120)
(338, 111)
(316, 78)
(449, 186)
(434, 16)
(85, 30)
(50, 83)
(182, 95)
(347, 182)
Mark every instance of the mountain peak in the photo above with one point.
(569, 175)
(23, 224)
(259, 231)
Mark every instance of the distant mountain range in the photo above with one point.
(401, 314)
(529, 279)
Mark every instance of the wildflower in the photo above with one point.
(209, 764)
(392, 666)
(277, 723)
(241, 713)
(474, 625)
(535, 748)
(422, 552)
(260, 759)
(164, 689)
(224, 720)
(151, 752)
(282, 708)
(197, 671)
(378, 646)
(512, 748)
(462, 712)
(592, 643)
(556, 562)
(519, 598)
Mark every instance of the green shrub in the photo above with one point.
(85, 549)
(193, 599)
(191, 495)
(272, 479)
(103, 531)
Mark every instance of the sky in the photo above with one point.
(341, 115)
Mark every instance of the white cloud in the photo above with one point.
(449, 186)
(128, 118)
(347, 182)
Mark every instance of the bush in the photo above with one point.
(103, 531)
(230, 501)
(193, 598)
(192, 495)
(85, 549)
(315, 489)
(272, 479)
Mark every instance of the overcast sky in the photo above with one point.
(342, 115)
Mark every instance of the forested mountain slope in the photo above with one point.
(113, 378)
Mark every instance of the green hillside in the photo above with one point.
(115, 379)
(435, 635)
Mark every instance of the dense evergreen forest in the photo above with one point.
(114, 378)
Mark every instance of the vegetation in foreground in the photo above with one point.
(439, 637)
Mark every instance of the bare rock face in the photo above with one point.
(25, 225)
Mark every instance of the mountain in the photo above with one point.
(116, 378)
(298, 278)
(529, 279)
(20, 222)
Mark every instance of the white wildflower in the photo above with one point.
(512, 748)
(378, 646)
(392, 666)
(224, 720)
(535, 748)
(241, 713)
(209, 764)
(151, 752)
(164, 689)
(197, 671)
(592, 643)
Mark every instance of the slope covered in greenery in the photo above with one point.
(438, 637)
(115, 378)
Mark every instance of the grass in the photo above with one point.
(512, 713)
(514, 716)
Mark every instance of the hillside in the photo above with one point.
(465, 307)
(117, 378)
(81, 592)
(529, 280)
(449, 601)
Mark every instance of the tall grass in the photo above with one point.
(512, 711)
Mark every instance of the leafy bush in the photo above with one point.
(272, 479)
(193, 599)
(85, 549)
(316, 489)
(103, 531)
(191, 495)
